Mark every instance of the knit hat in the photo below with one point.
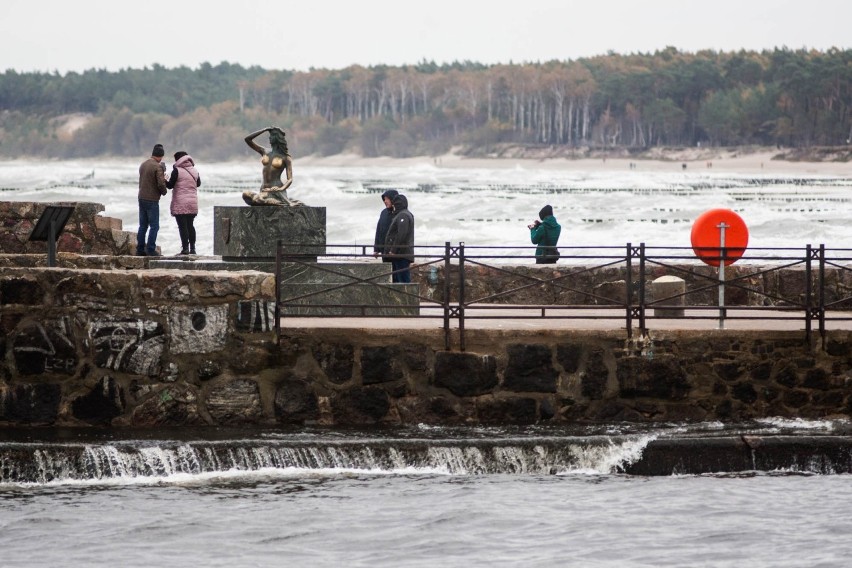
(546, 211)
(158, 151)
(390, 194)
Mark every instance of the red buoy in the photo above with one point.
(707, 233)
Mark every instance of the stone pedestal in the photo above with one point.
(665, 287)
(252, 233)
(247, 238)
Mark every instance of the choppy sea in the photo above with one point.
(84, 499)
(480, 206)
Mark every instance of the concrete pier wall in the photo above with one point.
(83, 347)
(105, 340)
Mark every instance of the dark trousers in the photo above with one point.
(404, 276)
(186, 230)
(149, 222)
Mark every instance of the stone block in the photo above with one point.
(465, 374)
(133, 346)
(200, 329)
(46, 347)
(244, 233)
(108, 223)
(171, 406)
(530, 369)
(235, 402)
(30, 404)
(379, 365)
(336, 361)
(361, 405)
(295, 403)
(664, 288)
(101, 404)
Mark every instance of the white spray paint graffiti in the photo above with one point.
(255, 315)
(45, 347)
(132, 346)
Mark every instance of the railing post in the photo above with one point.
(628, 290)
(808, 292)
(278, 293)
(461, 296)
(447, 289)
(642, 328)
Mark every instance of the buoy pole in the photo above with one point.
(722, 226)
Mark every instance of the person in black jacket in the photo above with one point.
(383, 225)
(399, 244)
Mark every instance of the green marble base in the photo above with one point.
(252, 233)
(355, 300)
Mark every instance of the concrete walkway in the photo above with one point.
(508, 318)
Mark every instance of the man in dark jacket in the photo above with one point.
(399, 243)
(545, 234)
(152, 185)
(383, 225)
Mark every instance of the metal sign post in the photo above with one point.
(49, 226)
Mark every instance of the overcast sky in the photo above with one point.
(63, 35)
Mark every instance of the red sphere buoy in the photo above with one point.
(707, 232)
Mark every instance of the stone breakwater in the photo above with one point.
(86, 347)
(575, 285)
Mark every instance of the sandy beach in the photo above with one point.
(696, 161)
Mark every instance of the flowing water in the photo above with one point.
(432, 496)
(422, 496)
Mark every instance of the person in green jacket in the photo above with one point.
(545, 234)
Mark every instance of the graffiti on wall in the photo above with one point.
(129, 345)
(45, 347)
(255, 315)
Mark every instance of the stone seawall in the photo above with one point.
(144, 348)
(86, 232)
(575, 285)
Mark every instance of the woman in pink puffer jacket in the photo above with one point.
(185, 182)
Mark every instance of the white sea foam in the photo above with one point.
(799, 424)
(480, 206)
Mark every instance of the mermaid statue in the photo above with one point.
(273, 191)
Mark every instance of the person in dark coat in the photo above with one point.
(545, 234)
(383, 225)
(152, 186)
(399, 243)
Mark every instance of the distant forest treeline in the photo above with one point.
(794, 98)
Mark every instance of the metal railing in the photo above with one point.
(566, 291)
